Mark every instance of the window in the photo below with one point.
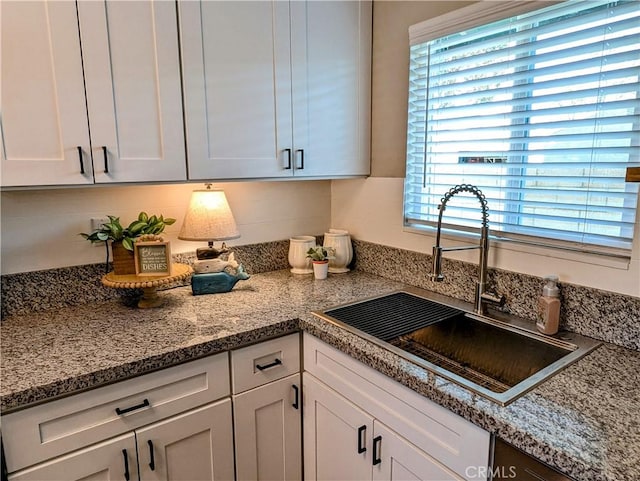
(541, 112)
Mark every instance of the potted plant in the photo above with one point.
(320, 256)
(122, 238)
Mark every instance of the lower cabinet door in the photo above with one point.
(196, 445)
(110, 460)
(396, 459)
(268, 431)
(337, 436)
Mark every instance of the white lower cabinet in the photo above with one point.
(179, 424)
(113, 459)
(267, 403)
(197, 445)
(171, 424)
(268, 431)
(335, 435)
(397, 459)
(345, 443)
(359, 425)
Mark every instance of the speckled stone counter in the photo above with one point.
(585, 420)
(59, 351)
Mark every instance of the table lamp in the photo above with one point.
(209, 218)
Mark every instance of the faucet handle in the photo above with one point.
(494, 298)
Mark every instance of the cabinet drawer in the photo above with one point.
(42, 432)
(447, 437)
(265, 362)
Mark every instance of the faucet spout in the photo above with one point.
(481, 295)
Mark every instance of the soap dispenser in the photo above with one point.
(549, 306)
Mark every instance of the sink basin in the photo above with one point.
(497, 359)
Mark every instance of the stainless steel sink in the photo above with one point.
(498, 359)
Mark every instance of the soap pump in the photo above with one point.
(549, 306)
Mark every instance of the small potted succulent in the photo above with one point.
(122, 238)
(320, 256)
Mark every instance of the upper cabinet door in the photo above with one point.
(44, 130)
(331, 72)
(237, 88)
(132, 71)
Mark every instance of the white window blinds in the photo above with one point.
(541, 112)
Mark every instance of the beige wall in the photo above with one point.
(390, 76)
(39, 229)
(371, 209)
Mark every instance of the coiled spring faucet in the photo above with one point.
(481, 295)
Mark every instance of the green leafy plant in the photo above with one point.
(114, 231)
(320, 253)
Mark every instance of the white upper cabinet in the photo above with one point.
(44, 118)
(276, 89)
(331, 72)
(132, 105)
(134, 97)
(237, 88)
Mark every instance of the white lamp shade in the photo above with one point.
(208, 218)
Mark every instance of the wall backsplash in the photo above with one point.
(68, 286)
(599, 314)
(591, 312)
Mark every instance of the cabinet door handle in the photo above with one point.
(106, 159)
(362, 432)
(301, 159)
(275, 363)
(296, 396)
(126, 464)
(152, 460)
(80, 158)
(143, 404)
(377, 447)
(288, 152)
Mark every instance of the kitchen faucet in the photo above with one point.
(482, 297)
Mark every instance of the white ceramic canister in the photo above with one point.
(298, 247)
(340, 240)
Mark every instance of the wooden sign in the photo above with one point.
(152, 258)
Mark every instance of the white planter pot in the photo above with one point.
(298, 247)
(320, 269)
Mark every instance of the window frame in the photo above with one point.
(478, 14)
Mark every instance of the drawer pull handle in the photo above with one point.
(152, 460)
(275, 363)
(296, 396)
(362, 430)
(377, 444)
(144, 404)
(126, 464)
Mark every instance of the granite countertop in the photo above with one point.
(584, 421)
